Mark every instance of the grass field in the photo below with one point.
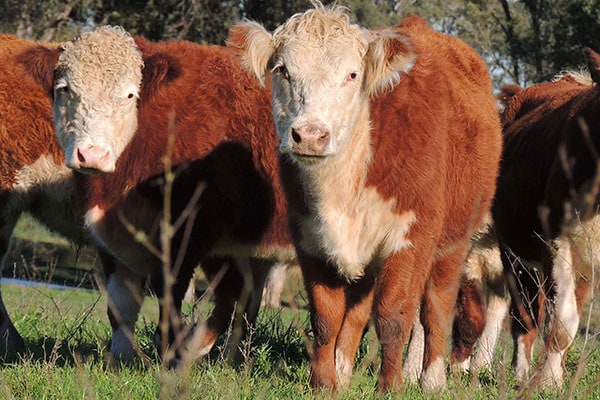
(66, 333)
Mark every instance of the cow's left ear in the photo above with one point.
(593, 63)
(388, 56)
(39, 62)
(254, 45)
(159, 70)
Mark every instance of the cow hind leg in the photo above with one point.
(495, 314)
(274, 285)
(565, 321)
(254, 272)
(524, 283)
(468, 324)
(237, 287)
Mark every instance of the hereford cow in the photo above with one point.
(545, 212)
(128, 109)
(33, 177)
(383, 196)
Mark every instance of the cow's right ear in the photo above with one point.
(593, 64)
(255, 46)
(39, 62)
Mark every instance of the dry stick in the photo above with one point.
(165, 238)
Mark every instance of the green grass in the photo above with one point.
(66, 332)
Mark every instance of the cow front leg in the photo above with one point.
(399, 291)
(359, 303)
(439, 300)
(125, 298)
(327, 298)
(413, 365)
(9, 337)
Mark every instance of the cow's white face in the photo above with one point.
(96, 88)
(317, 93)
(324, 70)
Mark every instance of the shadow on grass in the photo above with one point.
(53, 262)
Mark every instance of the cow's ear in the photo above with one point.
(39, 62)
(254, 45)
(388, 56)
(593, 63)
(159, 69)
(507, 92)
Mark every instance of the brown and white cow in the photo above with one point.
(383, 195)
(545, 212)
(33, 177)
(118, 101)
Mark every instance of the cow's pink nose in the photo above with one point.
(93, 157)
(310, 140)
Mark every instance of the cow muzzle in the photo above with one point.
(310, 140)
(92, 159)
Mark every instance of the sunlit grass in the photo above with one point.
(67, 333)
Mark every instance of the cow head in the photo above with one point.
(97, 83)
(324, 70)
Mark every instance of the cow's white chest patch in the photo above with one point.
(44, 172)
(352, 229)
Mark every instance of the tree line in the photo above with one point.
(523, 41)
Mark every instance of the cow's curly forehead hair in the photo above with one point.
(319, 25)
(109, 51)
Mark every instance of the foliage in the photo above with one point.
(523, 41)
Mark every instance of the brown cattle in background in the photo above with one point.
(385, 194)
(545, 212)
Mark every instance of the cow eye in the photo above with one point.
(352, 76)
(130, 96)
(282, 70)
(62, 87)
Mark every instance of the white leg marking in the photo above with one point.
(497, 310)
(434, 376)
(566, 315)
(463, 366)
(196, 346)
(413, 365)
(522, 365)
(552, 370)
(125, 300)
(343, 368)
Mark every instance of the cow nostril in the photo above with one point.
(80, 156)
(296, 137)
